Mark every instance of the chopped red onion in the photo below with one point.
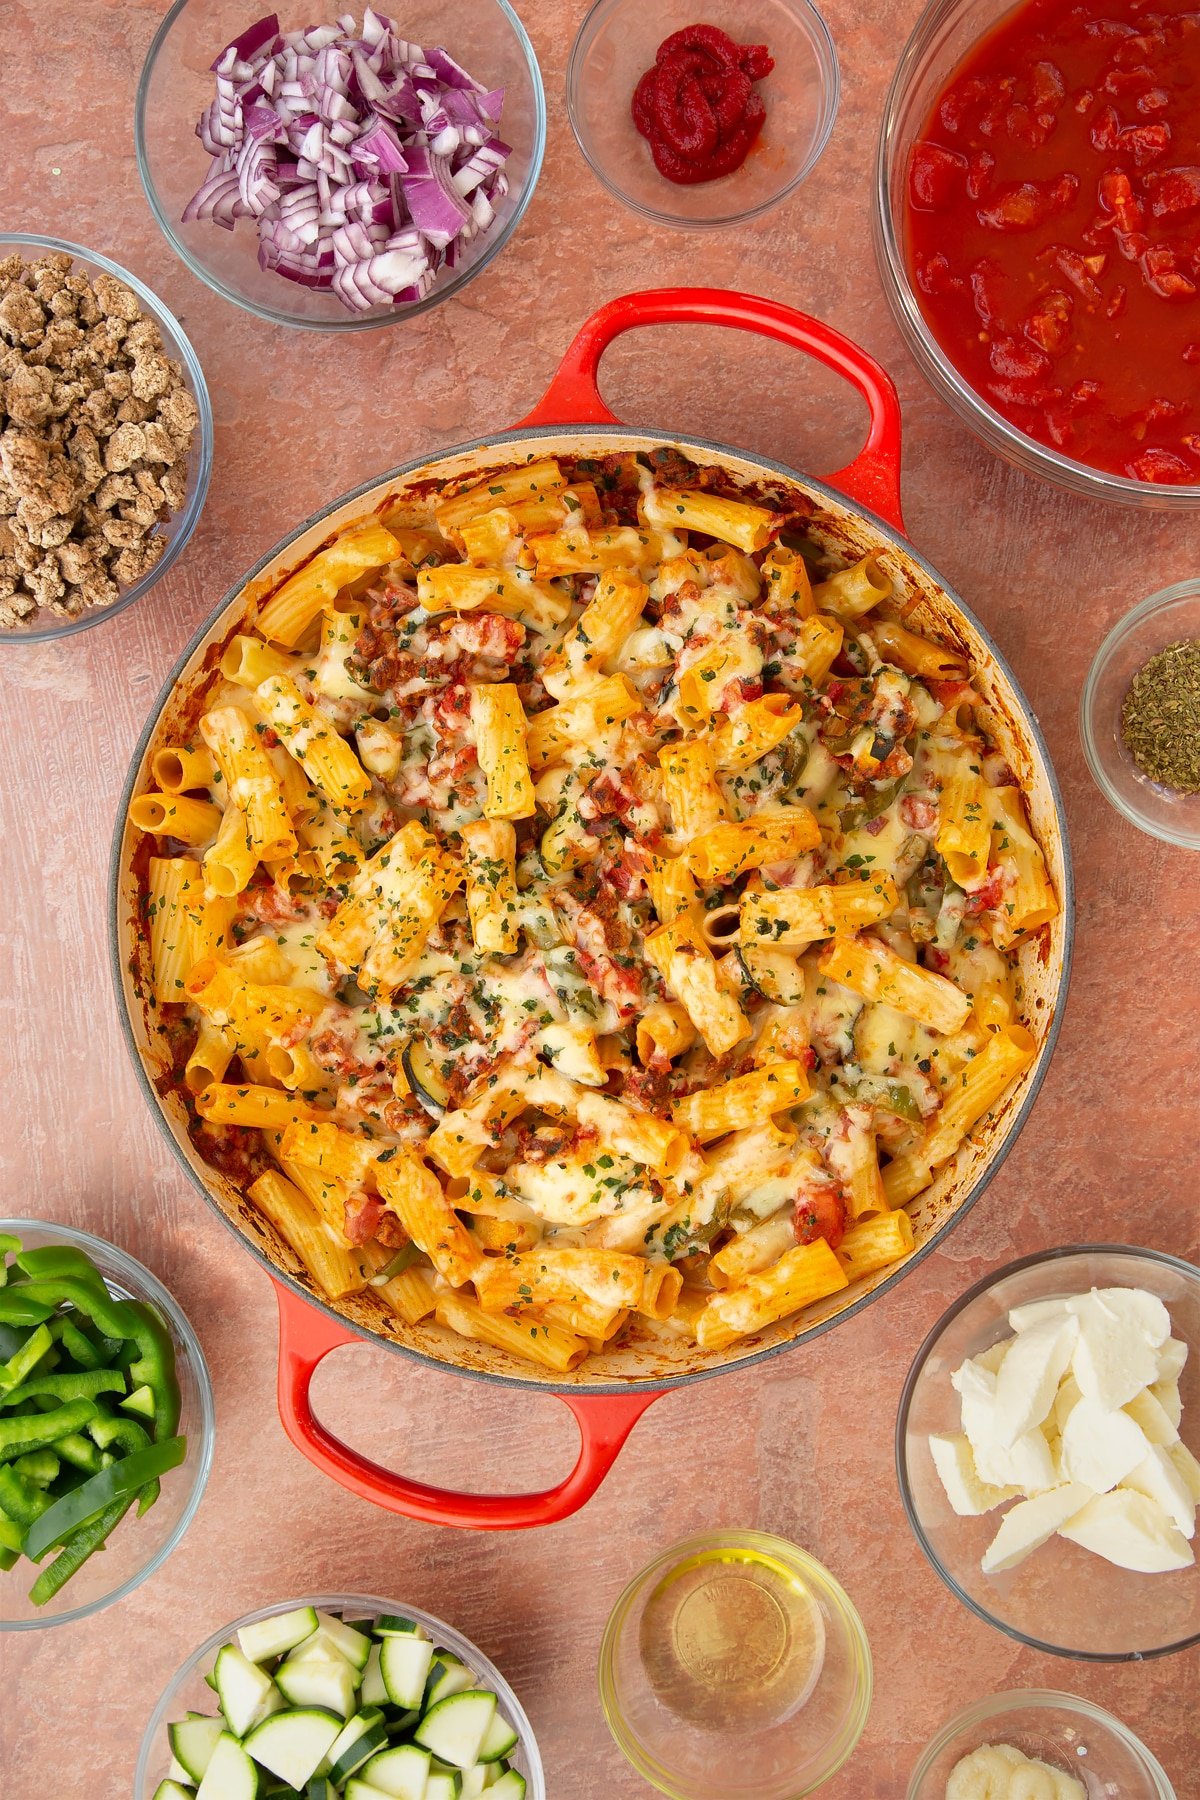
(368, 163)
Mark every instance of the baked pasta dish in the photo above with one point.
(588, 904)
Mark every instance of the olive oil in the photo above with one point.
(732, 1639)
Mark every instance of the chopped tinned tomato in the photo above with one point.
(1054, 229)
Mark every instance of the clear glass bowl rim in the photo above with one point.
(831, 95)
(995, 431)
(809, 1566)
(189, 516)
(1013, 1700)
(960, 1305)
(1124, 627)
(201, 1439)
(365, 1605)
(441, 290)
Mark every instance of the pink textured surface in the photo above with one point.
(804, 1446)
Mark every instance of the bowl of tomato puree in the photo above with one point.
(702, 113)
(1037, 227)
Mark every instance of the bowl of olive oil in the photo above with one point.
(735, 1667)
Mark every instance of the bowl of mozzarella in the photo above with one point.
(1045, 1449)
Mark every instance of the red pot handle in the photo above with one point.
(873, 478)
(307, 1335)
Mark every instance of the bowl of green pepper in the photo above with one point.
(106, 1424)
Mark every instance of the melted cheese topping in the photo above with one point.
(869, 752)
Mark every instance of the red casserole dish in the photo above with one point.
(857, 512)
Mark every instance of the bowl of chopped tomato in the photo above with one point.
(1037, 228)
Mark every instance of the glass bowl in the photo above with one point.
(1061, 1599)
(615, 46)
(735, 1667)
(138, 1547)
(187, 1690)
(177, 83)
(1163, 619)
(179, 527)
(944, 34)
(1073, 1735)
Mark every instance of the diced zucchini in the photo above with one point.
(360, 1738)
(357, 1789)
(315, 1681)
(244, 1690)
(172, 1790)
(193, 1741)
(454, 1728)
(400, 1720)
(319, 1649)
(401, 1772)
(230, 1775)
(511, 1786)
(447, 1676)
(404, 1663)
(353, 1645)
(498, 1740)
(373, 1692)
(444, 1785)
(294, 1744)
(277, 1635)
(391, 1625)
(320, 1788)
(474, 1781)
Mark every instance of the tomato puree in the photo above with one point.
(696, 107)
(1053, 217)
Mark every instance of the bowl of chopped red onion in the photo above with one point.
(339, 173)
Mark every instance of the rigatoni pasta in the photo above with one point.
(584, 915)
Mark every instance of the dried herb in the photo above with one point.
(1160, 717)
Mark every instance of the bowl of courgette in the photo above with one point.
(339, 1697)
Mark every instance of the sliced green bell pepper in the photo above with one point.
(75, 1552)
(20, 1500)
(121, 1482)
(77, 1384)
(19, 1307)
(42, 1431)
(37, 1345)
(91, 1300)
(41, 1467)
(79, 1451)
(77, 1344)
(155, 1366)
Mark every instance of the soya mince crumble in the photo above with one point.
(96, 423)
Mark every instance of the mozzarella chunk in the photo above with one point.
(1029, 1376)
(1067, 1397)
(1129, 1530)
(1113, 1358)
(1032, 1523)
(1028, 1464)
(1037, 1312)
(1188, 1467)
(1153, 1417)
(976, 1389)
(1099, 1447)
(991, 1358)
(1157, 1477)
(954, 1461)
(1167, 1395)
